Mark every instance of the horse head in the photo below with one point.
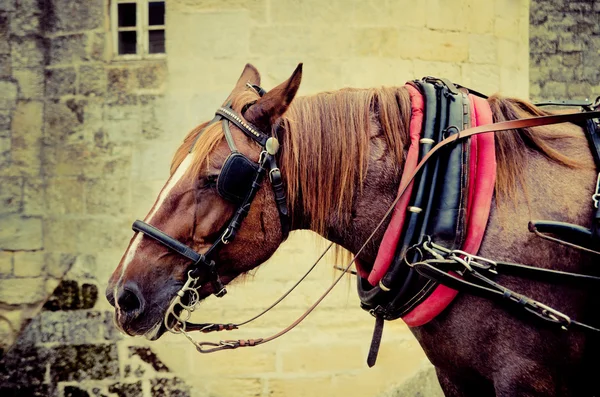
(198, 206)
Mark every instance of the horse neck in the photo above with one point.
(342, 158)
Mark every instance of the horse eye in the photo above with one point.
(208, 182)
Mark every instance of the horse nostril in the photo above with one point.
(130, 300)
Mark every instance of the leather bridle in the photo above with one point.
(267, 163)
(232, 189)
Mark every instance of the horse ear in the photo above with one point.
(249, 75)
(275, 102)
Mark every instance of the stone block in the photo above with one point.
(149, 357)
(107, 196)
(64, 121)
(96, 46)
(483, 78)
(26, 20)
(539, 45)
(152, 76)
(31, 82)
(57, 265)
(9, 91)
(69, 15)
(163, 387)
(65, 195)
(27, 137)
(252, 387)
(74, 391)
(22, 291)
(92, 79)
(72, 327)
(570, 43)
(553, 90)
(571, 59)
(5, 156)
(5, 116)
(301, 387)
(27, 52)
(7, 5)
(110, 330)
(24, 368)
(68, 295)
(103, 233)
(60, 81)
(577, 90)
(322, 358)
(28, 264)
(34, 200)
(69, 49)
(11, 195)
(123, 389)
(150, 111)
(4, 33)
(20, 233)
(448, 15)
(84, 362)
(372, 13)
(5, 66)
(435, 46)
(121, 81)
(6, 264)
(482, 48)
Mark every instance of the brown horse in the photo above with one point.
(341, 159)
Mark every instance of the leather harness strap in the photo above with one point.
(209, 347)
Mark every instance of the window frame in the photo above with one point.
(142, 29)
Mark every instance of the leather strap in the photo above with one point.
(209, 347)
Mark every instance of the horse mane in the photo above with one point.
(512, 147)
(326, 147)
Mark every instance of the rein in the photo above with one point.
(190, 287)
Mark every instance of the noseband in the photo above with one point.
(238, 182)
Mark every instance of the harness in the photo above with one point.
(420, 257)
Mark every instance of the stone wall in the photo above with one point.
(85, 143)
(565, 49)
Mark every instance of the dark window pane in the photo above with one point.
(126, 14)
(156, 13)
(127, 42)
(157, 41)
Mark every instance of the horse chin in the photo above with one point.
(155, 332)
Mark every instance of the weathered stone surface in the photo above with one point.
(110, 331)
(28, 52)
(6, 264)
(33, 197)
(27, 136)
(150, 106)
(5, 66)
(8, 99)
(92, 80)
(20, 233)
(11, 195)
(5, 116)
(64, 120)
(68, 49)
(163, 387)
(71, 327)
(25, 21)
(69, 15)
(110, 197)
(5, 145)
(121, 84)
(96, 46)
(24, 368)
(126, 389)
(4, 33)
(74, 391)
(424, 383)
(70, 296)
(82, 362)
(18, 291)
(148, 356)
(152, 76)
(28, 264)
(60, 82)
(57, 265)
(65, 195)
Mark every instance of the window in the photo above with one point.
(138, 28)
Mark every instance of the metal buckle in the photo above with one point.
(271, 173)
(225, 236)
(596, 195)
(473, 260)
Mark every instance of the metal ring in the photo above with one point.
(383, 287)
(225, 236)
